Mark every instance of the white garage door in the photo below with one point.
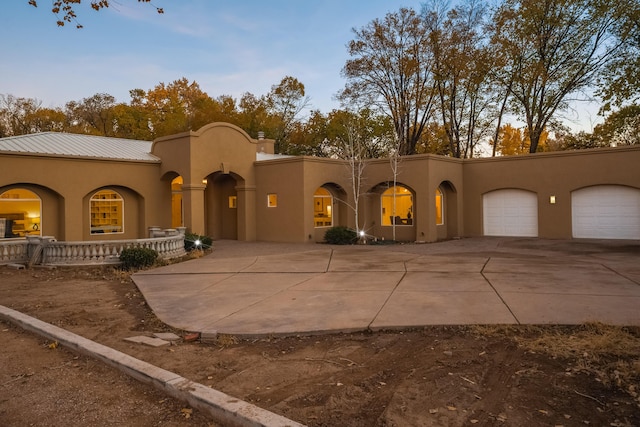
(510, 213)
(606, 212)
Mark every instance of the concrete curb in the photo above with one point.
(223, 408)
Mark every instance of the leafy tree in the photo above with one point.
(434, 140)
(285, 102)
(554, 48)
(253, 115)
(131, 122)
(65, 9)
(93, 115)
(372, 132)
(516, 141)
(21, 116)
(620, 128)
(620, 81)
(175, 107)
(390, 70)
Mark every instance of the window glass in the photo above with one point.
(322, 208)
(20, 213)
(107, 212)
(439, 207)
(397, 206)
(272, 200)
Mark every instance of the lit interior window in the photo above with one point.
(397, 206)
(272, 200)
(107, 208)
(322, 208)
(439, 207)
(20, 213)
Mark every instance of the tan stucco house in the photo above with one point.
(219, 181)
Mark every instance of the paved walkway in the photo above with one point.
(268, 288)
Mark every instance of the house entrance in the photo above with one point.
(221, 206)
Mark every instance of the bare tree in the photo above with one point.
(462, 64)
(390, 70)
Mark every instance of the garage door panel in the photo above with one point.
(510, 213)
(606, 212)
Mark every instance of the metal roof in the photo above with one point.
(266, 156)
(76, 145)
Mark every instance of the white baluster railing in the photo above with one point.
(13, 251)
(85, 253)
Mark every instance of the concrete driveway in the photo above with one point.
(255, 289)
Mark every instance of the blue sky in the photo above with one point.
(228, 46)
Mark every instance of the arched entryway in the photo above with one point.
(222, 205)
(446, 212)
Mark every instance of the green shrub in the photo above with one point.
(190, 240)
(340, 236)
(133, 258)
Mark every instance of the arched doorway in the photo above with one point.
(20, 213)
(221, 206)
(177, 207)
(446, 213)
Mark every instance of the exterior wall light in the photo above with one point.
(552, 200)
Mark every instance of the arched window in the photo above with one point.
(439, 207)
(397, 206)
(20, 213)
(322, 208)
(107, 212)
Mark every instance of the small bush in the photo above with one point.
(134, 258)
(340, 236)
(190, 240)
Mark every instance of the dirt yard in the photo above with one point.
(436, 376)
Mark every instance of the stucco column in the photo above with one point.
(193, 204)
(246, 213)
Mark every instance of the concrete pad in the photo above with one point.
(312, 261)
(528, 265)
(292, 312)
(564, 282)
(151, 342)
(176, 284)
(470, 264)
(369, 260)
(205, 265)
(261, 282)
(409, 309)
(444, 282)
(352, 281)
(289, 290)
(532, 308)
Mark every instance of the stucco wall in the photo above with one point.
(547, 174)
(65, 186)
